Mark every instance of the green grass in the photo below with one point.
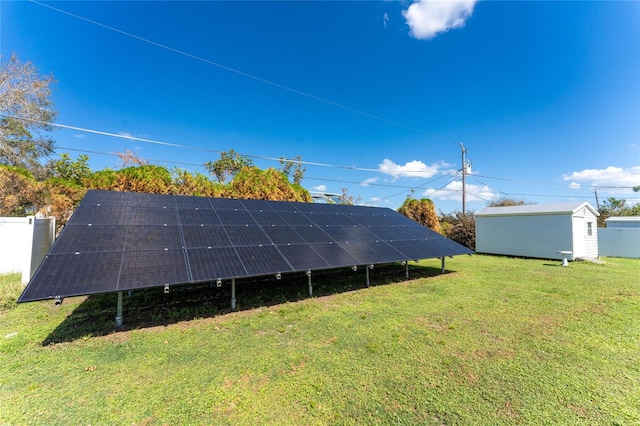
(10, 288)
(494, 341)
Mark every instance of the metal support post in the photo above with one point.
(310, 285)
(119, 311)
(233, 294)
(367, 268)
(406, 269)
(443, 264)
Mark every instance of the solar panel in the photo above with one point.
(140, 268)
(151, 237)
(119, 241)
(215, 263)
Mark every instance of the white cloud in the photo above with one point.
(427, 18)
(126, 134)
(574, 185)
(369, 181)
(79, 136)
(612, 179)
(376, 199)
(453, 192)
(320, 188)
(413, 168)
(385, 19)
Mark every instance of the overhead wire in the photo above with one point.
(230, 69)
(487, 186)
(274, 84)
(215, 151)
(443, 173)
(112, 154)
(414, 188)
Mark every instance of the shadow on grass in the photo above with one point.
(95, 316)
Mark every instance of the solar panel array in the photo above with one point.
(119, 241)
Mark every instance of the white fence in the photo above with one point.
(619, 242)
(24, 241)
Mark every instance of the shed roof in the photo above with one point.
(625, 219)
(537, 209)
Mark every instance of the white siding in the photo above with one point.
(538, 236)
(16, 234)
(24, 241)
(585, 245)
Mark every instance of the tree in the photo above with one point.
(228, 165)
(422, 211)
(75, 171)
(460, 227)
(508, 202)
(293, 164)
(20, 193)
(270, 184)
(186, 183)
(63, 196)
(26, 109)
(616, 207)
(345, 198)
(129, 158)
(148, 178)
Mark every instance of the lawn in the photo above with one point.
(495, 340)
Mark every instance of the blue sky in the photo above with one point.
(546, 95)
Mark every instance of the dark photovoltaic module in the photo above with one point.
(118, 241)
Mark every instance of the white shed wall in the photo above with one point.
(585, 245)
(619, 242)
(24, 242)
(538, 236)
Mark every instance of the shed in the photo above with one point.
(539, 230)
(24, 241)
(623, 222)
(621, 237)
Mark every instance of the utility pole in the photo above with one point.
(597, 202)
(465, 151)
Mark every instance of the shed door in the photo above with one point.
(579, 228)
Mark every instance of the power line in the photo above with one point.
(233, 70)
(465, 151)
(112, 154)
(443, 186)
(409, 188)
(175, 145)
(443, 173)
(420, 186)
(493, 189)
(309, 163)
(550, 183)
(200, 165)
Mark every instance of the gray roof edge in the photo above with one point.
(537, 209)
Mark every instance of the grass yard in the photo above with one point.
(494, 341)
